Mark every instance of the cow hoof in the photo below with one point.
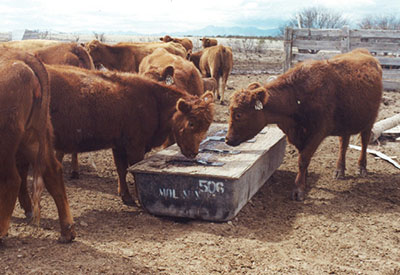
(127, 200)
(297, 194)
(339, 174)
(222, 102)
(74, 175)
(29, 217)
(363, 172)
(67, 235)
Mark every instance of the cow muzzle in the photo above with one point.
(190, 155)
(231, 142)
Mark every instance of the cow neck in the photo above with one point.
(111, 55)
(166, 98)
(282, 104)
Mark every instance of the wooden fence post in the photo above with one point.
(345, 40)
(287, 44)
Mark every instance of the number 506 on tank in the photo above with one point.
(211, 187)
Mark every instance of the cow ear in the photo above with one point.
(168, 75)
(271, 78)
(259, 98)
(188, 54)
(254, 85)
(183, 106)
(208, 97)
(162, 38)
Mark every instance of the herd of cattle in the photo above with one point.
(133, 97)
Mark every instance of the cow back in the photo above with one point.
(66, 54)
(185, 74)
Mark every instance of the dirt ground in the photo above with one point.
(350, 226)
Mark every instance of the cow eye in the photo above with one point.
(191, 124)
(238, 116)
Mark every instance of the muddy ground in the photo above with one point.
(350, 226)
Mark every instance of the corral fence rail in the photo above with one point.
(302, 44)
(5, 36)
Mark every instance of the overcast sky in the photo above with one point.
(156, 16)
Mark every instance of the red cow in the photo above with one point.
(315, 99)
(26, 139)
(208, 42)
(66, 54)
(185, 42)
(126, 57)
(216, 62)
(162, 65)
(94, 110)
(29, 45)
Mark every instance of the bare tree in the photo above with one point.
(316, 18)
(381, 22)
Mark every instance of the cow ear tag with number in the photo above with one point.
(258, 106)
(169, 80)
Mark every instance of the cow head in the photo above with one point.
(247, 116)
(96, 51)
(192, 119)
(207, 42)
(166, 38)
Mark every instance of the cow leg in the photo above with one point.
(23, 196)
(53, 180)
(74, 163)
(75, 166)
(224, 80)
(9, 188)
(341, 162)
(303, 162)
(362, 161)
(121, 162)
(216, 76)
(59, 156)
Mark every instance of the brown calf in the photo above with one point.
(315, 99)
(210, 84)
(216, 62)
(185, 42)
(93, 110)
(126, 57)
(208, 42)
(26, 139)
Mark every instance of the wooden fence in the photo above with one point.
(5, 36)
(302, 44)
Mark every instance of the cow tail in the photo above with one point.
(41, 111)
(221, 62)
(84, 57)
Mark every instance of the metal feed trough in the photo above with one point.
(215, 185)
